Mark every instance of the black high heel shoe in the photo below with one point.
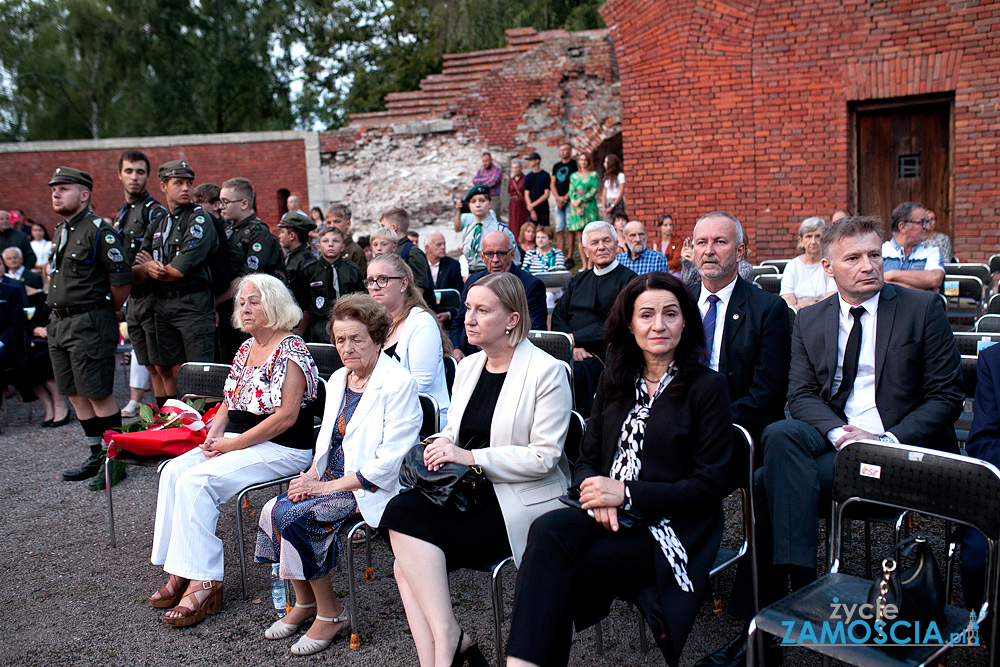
(472, 655)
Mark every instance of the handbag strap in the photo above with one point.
(888, 567)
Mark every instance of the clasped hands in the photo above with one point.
(213, 446)
(601, 496)
(441, 450)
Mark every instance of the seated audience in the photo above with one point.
(804, 281)
(583, 308)
(619, 220)
(637, 256)
(526, 237)
(415, 339)
(355, 469)
(936, 239)
(543, 258)
(509, 416)
(445, 273)
(383, 242)
(669, 245)
(15, 270)
(260, 432)
(577, 562)
(908, 262)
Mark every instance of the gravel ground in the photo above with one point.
(68, 598)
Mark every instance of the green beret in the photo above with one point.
(71, 175)
(297, 221)
(176, 169)
(477, 190)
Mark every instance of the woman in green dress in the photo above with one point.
(583, 187)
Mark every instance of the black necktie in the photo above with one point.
(850, 371)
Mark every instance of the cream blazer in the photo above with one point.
(525, 459)
(385, 425)
(419, 349)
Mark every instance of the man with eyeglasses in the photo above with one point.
(252, 249)
(907, 261)
(498, 255)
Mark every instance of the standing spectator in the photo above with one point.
(804, 281)
(515, 188)
(316, 213)
(937, 239)
(20, 222)
(838, 214)
(293, 235)
(526, 238)
(9, 236)
(491, 176)
(89, 283)
(907, 261)
(398, 220)
(670, 246)
(445, 273)
(383, 242)
(414, 237)
(543, 258)
(339, 215)
(613, 190)
(209, 197)
(333, 276)
(583, 189)
(41, 244)
(476, 224)
(293, 205)
(38, 378)
(536, 191)
(365, 243)
(638, 257)
(561, 173)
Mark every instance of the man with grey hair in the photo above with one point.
(637, 256)
(908, 262)
(9, 236)
(584, 306)
(14, 271)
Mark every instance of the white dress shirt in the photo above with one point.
(724, 294)
(434, 271)
(860, 407)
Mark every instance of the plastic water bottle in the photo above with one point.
(277, 591)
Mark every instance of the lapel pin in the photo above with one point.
(736, 316)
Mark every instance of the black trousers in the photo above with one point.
(572, 566)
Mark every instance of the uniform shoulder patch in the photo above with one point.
(115, 255)
(256, 247)
(197, 231)
(109, 238)
(253, 262)
(320, 301)
(200, 218)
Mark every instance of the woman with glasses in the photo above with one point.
(416, 339)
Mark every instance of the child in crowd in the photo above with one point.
(383, 242)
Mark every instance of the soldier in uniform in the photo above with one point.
(131, 221)
(332, 277)
(293, 235)
(89, 280)
(252, 249)
(339, 216)
(175, 255)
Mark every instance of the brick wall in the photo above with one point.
(744, 105)
(270, 165)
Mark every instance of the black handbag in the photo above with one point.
(626, 519)
(917, 593)
(451, 485)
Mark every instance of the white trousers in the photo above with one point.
(191, 489)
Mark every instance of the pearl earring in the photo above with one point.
(507, 331)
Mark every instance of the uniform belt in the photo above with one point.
(183, 291)
(77, 310)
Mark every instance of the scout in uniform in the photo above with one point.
(252, 249)
(332, 276)
(339, 216)
(293, 235)
(89, 280)
(175, 255)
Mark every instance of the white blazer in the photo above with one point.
(385, 425)
(525, 459)
(419, 349)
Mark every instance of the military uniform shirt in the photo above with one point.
(329, 282)
(183, 239)
(131, 222)
(88, 257)
(253, 248)
(299, 267)
(355, 253)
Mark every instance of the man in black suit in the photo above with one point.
(498, 255)
(445, 273)
(13, 325)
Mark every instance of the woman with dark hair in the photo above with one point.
(613, 189)
(317, 216)
(41, 244)
(651, 514)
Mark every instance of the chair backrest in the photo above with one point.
(780, 263)
(988, 323)
(448, 298)
(971, 342)
(769, 283)
(994, 263)
(967, 287)
(555, 279)
(574, 437)
(969, 376)
(993, 307)
(556, 343)
(450, 368)
(201, 380)
(431, 422)
(326, 357)
(981, 271)
(741, 465)
(791, 318)
(765, 270)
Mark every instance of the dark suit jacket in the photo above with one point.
(984, 435)
(918, 374)
(449, 275)
(13, 321)
(533, 288)
(754, 357)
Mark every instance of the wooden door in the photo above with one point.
(903, 155)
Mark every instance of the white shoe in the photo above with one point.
(279, 629)
(131, 409)
(307, 645)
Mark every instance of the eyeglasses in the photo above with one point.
(381, 281)
(923, 222)
(490, 254)
(227, 202)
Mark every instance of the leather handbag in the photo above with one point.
(918, 592)
(451, 485)
(626, 519)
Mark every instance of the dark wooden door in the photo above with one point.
(903, 156)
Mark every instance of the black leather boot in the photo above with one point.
(89, 468)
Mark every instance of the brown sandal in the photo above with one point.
(212, 605)
(166, 599)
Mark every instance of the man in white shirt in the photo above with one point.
(907, 261)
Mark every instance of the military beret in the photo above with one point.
(476, 190)
(176, 169)
(71, 175)
(298, 222)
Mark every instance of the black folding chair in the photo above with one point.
(937, 484)
(448, 298)
(556, 343)
(765, 270)
(780, 263)
(555, 280)
(431, 420)
(326, 357)
(769, 283)
(450, 368)
(970, 343)
(988, 323)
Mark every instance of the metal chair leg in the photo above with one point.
(599, 638)
(239, 542)
(352, 581)
(496, 593)
(643, 642)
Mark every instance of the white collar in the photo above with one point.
(607, 269)
(870, 306)
(724, 294)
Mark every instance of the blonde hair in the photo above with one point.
(385, 235)
(510, 291)
(413, 296)
(276, 302)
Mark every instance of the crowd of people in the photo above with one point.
(672, 345)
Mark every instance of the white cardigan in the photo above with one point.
(419, 349)
(525, 459)
(385, 425)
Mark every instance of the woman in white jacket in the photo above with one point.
(509, 415)
(416, 339)
(370, 420)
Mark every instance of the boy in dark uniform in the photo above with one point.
(293, 235)
(332, 277)
(89, 281)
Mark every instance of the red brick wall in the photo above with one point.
(271, 165)
(744, 105)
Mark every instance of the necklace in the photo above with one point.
(357, 384)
